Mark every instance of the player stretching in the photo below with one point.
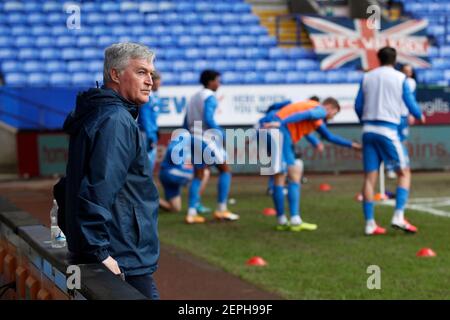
(379, 107)
(294, 122)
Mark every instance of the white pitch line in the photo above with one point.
(420, 207)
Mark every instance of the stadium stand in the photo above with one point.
(187, 36)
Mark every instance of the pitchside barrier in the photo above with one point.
(35, 271)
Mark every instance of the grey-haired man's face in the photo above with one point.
(135, 81)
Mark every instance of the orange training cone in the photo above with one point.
(256, 261)
(269, 212)
(380, 197)
(325, 187)
(425, 253)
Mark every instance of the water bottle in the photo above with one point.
(57, 237)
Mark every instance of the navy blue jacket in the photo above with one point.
(111, 199)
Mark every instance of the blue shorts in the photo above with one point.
(206, 152)
(403, 128)
(174, 179)
(382, 144)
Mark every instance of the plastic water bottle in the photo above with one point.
(57, 237)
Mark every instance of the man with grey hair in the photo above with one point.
(111, 199)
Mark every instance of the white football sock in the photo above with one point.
(192, 212)
(282, 219)
(222, 207)
(296, 220)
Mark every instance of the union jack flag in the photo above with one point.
(343, 42)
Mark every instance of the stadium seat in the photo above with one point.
(83, 79)
(185, 7)
(38, 79)
(256, 53)
(11, 66)
(187, 41)
(15, 79)
(32, 66)
(274, 77)
(230, 77)
(50, 54)
(24, 41)
(234, 53)
(28, 53)
(171, 78)
(354, 76)
(228, 19)
(285, 65)
(188, 78)
(44, 41)
(253, 78)
(441, 63)
(266, 41)
(6, 54)
(70, 53)
(35, 18)
(213, 53)
(55, 66)
(243, 65)
(315, 77)
(338, 76)
(59, 79)
(307, 64)
(226, 41)
(200, 65)
(223, 65)
(181, 66)
(206, 41)
(444, 51)
(194, 53)
(6, 41)
(265, 65)
(295, 77)
(247, 41)
(77, 66)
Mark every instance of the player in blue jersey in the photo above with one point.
(148, 116)
(379, 107)
(199, 121)
(177, 171)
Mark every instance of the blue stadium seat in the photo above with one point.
(181, 66)
(104, 41)
(59, 79)
(32, 66)
(82, 79)
(35, 18)
(148, 7)
(189, 18)
(28, 53)
(66, 41)
(265, 65)
(56, 18)
(32, 6)
(49, 6)
(205, 41)
(256, 53)
(89, 53)
(444, 51)
(248, 19)
(6, 41)
(4, 29)
(226, 41)
(38, 79)
(433, 52)
(354, 76)
(109, 6)
(16, 18)
(241, 7)
(163, 65)
(90, 6)
(94, 18)
(203, 6)
(230, 77)
(173, 53)
(158, 30)
(86, 41)
(278, 53)
(44, 41)
(315, 77)
(178, 30)
(70, 53)
(212, 53)
(247, 41)
(295, 77)
(50, 54)
(441, 63)
(234, 30)
(188, 78)
(222, 7)
(58, 30)
(6, 53)
(11, 66)
(187, 41)
(235, 53)
(244, 65)
(285, 65)
(166, 6)
(54, 66)
(307, 64)
(223, 65)
(167, 41)
(148, 40)
(129, 7)
(40, 30)
(201, 65)
(301, 53)
(77, 66)
(194, 53)
(171, 78)
(185, 7)
(18, 30)
(24, 41)
(13, 6)
(16, 79)
(338, 76)
(267, 41)
(229, 19)
(257, 30)
(196, 30)
(153, 19)
(216, 30)
(119, 30)
(209, 18)
(139, 30)
(253, 78)
(274, 77)
(170, 18)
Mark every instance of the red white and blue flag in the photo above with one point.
(341, 42)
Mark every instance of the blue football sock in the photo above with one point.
(401, 198)
(194, 193)
(294, 198)
(270, 184)
(223, 187)
(368, 210)
(278, 199)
